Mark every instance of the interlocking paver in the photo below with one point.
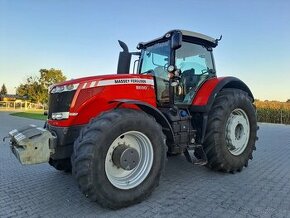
(261, 190)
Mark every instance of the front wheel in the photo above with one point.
(119, 157)
(231, 131)
(62, 164)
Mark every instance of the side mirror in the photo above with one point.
(124, 59)
(176, 40)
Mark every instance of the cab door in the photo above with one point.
(195, 63)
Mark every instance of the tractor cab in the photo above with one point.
(180, 62)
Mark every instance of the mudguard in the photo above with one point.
(206, 94)
(149, 109)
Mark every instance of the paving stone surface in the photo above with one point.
(261, 190)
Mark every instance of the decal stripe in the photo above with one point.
(84, 86)
(129, 81)
(123, 81)
(93, 84)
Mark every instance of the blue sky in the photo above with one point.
(80, 37)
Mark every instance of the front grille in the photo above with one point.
(60, 102)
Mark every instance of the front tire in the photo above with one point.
(119, 157)
(231, 131)
(61, 165)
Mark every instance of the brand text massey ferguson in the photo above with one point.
(142, 81)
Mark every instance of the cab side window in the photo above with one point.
(195, 64)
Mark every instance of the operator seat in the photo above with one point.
(162, 82)
(189, 80)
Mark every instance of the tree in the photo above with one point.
(31, 89)
(288, 101)
(36, 88)
(3, 90)
(50, 77)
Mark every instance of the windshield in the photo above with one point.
(155, 58)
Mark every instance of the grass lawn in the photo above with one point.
(31, 115)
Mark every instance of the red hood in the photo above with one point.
(102, 77)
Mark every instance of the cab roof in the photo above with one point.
(197, 35)
(187, 35)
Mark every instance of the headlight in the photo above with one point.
(59, 88)
(70, 87)
(65, 88)
(60, 115)
(170, 68)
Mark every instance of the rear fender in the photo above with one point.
(205, 96)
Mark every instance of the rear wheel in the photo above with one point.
(118, 157)
(231, 131)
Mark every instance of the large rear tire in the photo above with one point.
(118, 157)
(231, 131)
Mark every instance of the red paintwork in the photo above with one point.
(93, 78)
(90, 102)
(205, 91)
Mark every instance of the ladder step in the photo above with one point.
(199, 156)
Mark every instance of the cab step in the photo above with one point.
(196, 155)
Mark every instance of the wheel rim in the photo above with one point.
(237, 131)
(127, 179)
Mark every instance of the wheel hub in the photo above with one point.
(237, 132)
(129, 160)
(125, 157)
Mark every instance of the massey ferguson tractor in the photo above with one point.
(114, 132)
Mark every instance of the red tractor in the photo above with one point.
(114, 131)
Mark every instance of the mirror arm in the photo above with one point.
(136, 53)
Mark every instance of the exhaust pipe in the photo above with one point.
(124, 59)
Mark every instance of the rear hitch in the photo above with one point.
(32, 144)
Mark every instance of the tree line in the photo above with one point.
(35, 88)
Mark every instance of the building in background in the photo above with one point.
(16, 102)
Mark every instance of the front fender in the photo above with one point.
(154, 112)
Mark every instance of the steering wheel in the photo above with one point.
(165, 67)
(204, 71)
(149, 72)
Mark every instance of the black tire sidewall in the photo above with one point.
(234, 99)
(145, 125)
(242, 102)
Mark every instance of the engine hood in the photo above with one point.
(122, 78)
(87, 97)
